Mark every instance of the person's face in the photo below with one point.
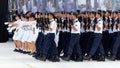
(63, 16)
(17, 18)
(50, 17)
(39, 16)
(107, 14)
(67, 15)
(73, 17)
(22, 18)
(86, 15)
(31, 19)
(92, 15)
(26, 19)
(56, 14)
(36, 15)
(97, 16)
(29, 13)
(119, 15)
(115, 15)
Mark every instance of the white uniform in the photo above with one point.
(33, 36)
(16, 33)
(26, 32)
(110, 30)
(100, 24)
(53, 25)
(92, 22)
(20, 31)
(114, 27)
(76, 23)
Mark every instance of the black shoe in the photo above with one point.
(24, 52)
(15, 50)
(101, 58)
(88, 57)
(36, 54)
(21, 51)
(49, 57)
(42, 58)
(73, 58)
(95, 57)
(54, 59)
(66, 58)
(118, 57)
(57, 59)
(79, 58)
(29, 53)
(112, 58)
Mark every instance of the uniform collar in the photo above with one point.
(92, 18)
(51, 20)
(75, 20)
(116, 18)
(106, 17)
(99, 19)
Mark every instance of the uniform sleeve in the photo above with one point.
(77, 26)
(100, 23)
(53, 25)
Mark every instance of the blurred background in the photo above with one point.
(62, 5)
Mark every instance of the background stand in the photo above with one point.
(3, 18)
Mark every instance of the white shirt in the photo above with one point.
(18, 22)
(76, 23)
(46, 32)
(92, 22)
(66, 30)
(82, 30)
(33, 24)
(114, 27)
(27, 27)
(100, 24)
(53, 25)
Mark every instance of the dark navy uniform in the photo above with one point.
(74, 43)
(116, 38)
(49, 46)
(97, 42)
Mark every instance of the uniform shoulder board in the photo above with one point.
(76, 21)
(100, 20)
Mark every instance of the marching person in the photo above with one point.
(33, 34)
(97, 42)
(49, 45)
(16, 24)
(116, 38)
(74, 40)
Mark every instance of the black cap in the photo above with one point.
(74, 13)
(116, 12)
(109, 11)
(99, 13)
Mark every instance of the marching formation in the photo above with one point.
(73, 36)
